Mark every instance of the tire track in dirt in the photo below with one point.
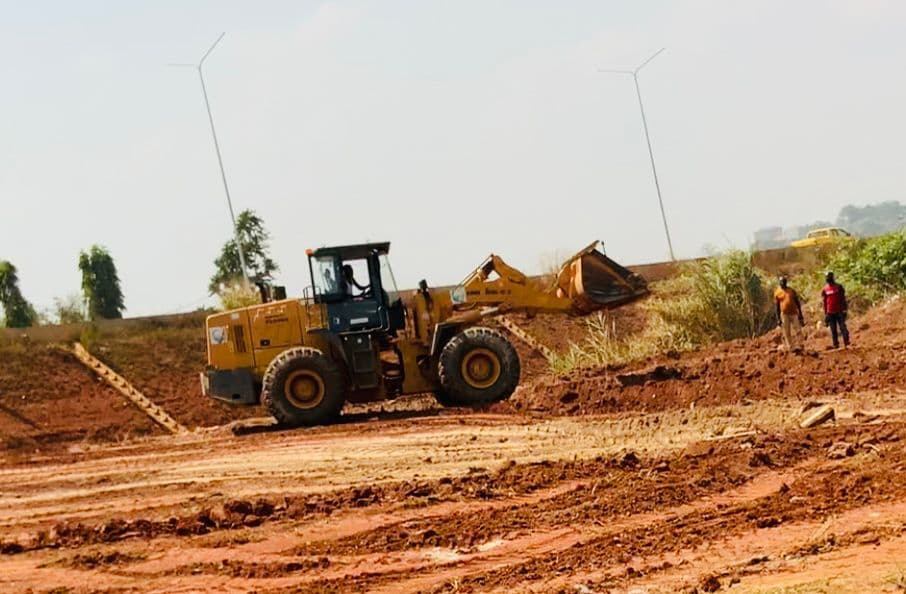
(620, 487)
(270, 571)
(336, 526)
(427, 567)
(841, 488)
(835, 487)
(766, 552)
(135, 482)
(489, 527)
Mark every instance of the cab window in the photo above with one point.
(359, 285)
(387, 279)
(325, 275)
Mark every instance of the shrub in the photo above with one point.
(720, 298)
(70, 310)
(603, 347)
(89, 336)
(871, 269)
(236, 296)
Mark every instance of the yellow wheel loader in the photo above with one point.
(352, 337)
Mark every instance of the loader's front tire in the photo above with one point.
(478, 366)
(302, 386)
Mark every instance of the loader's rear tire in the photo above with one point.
(478, 366)
(302, 386)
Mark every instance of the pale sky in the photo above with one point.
(452, 129)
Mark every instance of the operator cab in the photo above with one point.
(357, 285)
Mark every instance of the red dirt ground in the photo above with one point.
(49, 401)
(732, 372)
(601, 482)
(233, 514)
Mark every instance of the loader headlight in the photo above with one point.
(218, 334)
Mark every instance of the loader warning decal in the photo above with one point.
(458, 295)
(218, 334)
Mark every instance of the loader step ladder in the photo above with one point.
(157, 414)
(526, 336)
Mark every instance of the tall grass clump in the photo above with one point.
(237, 296)
(720, 298)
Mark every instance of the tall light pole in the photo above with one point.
(226, 188)
(657, 185)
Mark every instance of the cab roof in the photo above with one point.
(353, 252)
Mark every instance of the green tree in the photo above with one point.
(872, 219)
(871, 268)
(101, 284)
(19, 312)
(255, 240)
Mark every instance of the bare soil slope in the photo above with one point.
(49, 401)
(164, 365)
(732, 372)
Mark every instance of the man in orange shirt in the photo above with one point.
(789, 314)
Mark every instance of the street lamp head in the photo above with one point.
(637, 68)
(210, 49)
(645, 63)
(204, 57)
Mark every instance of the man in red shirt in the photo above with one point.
(833, 296)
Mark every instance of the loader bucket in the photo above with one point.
(592, 281)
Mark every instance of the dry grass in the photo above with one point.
(718, 299)
(237, 296)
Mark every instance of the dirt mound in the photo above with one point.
(560, 332)
(164, 365)
(732, 372)
(48, 400)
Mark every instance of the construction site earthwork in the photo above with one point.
(737, 466)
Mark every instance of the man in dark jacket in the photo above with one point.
(833, 296)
